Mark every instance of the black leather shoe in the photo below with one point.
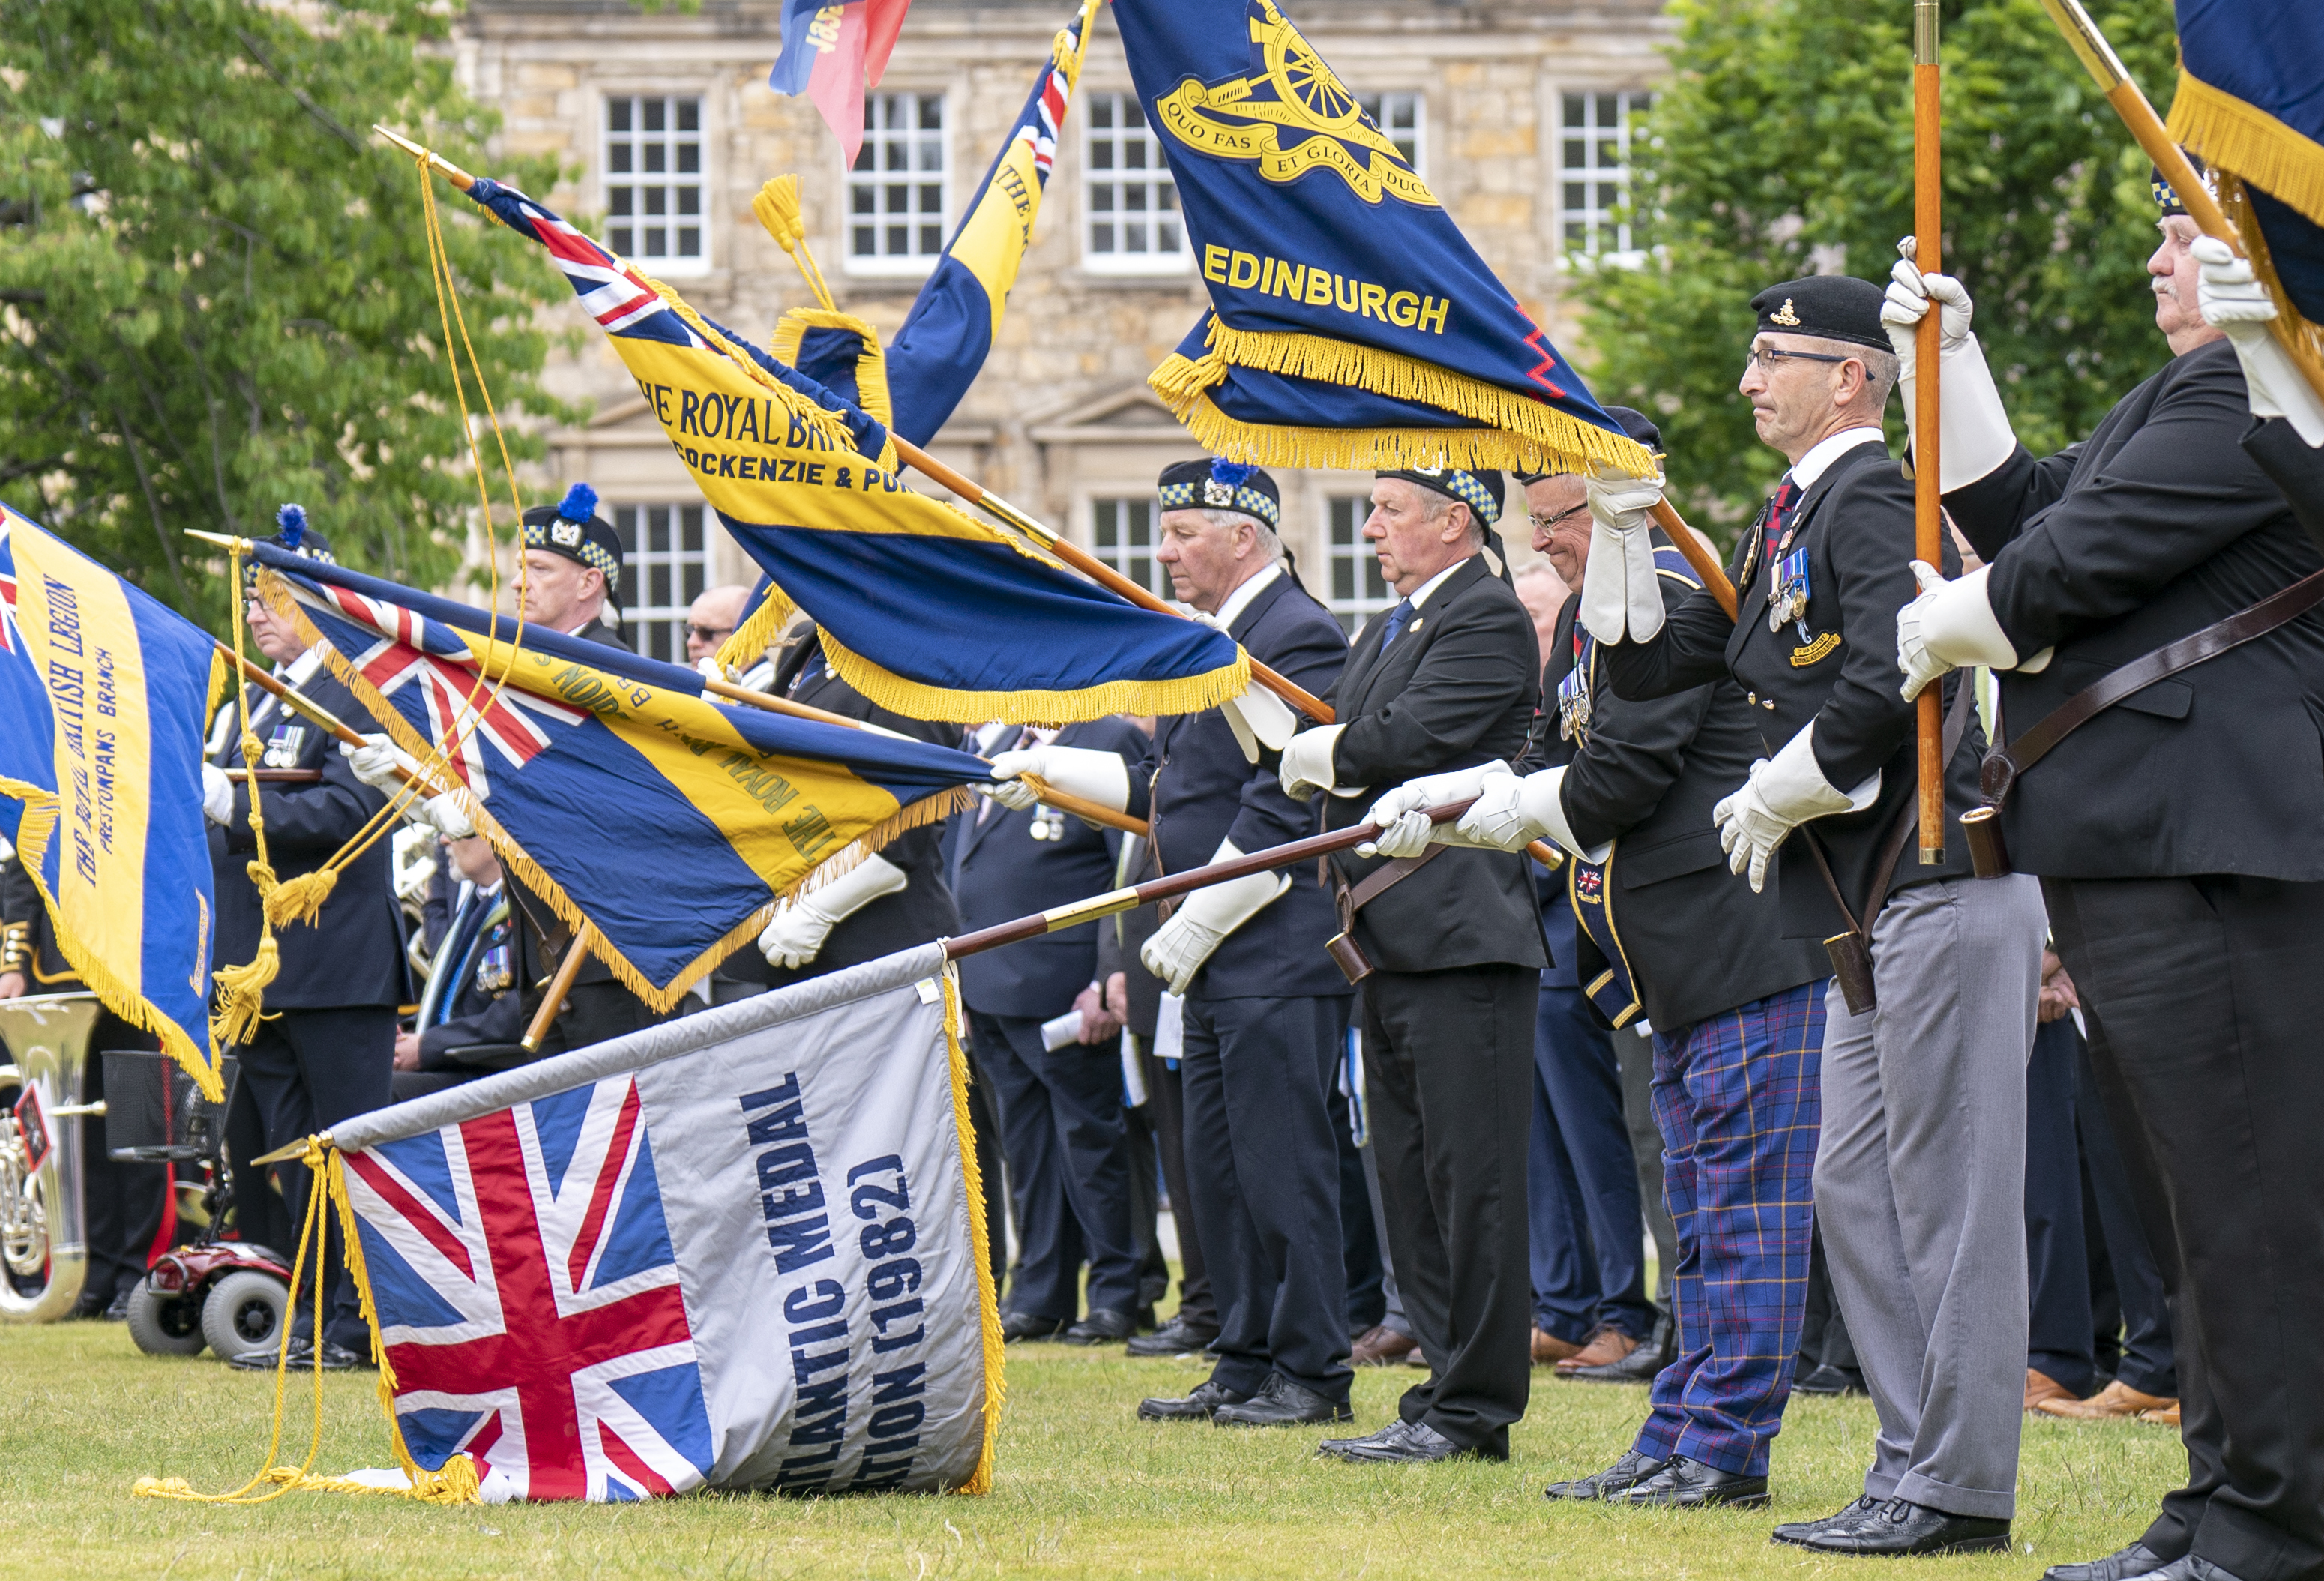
(1418, 1443)
(1625, 1474)
(1797, 1532)
(1103, 1326)
(1690, 1485)
(117, 1309)
(2137, 1559)
(1017, 1326)
(1207, 1397)
(1345, 1449)
(336, 1358)
(1829, 1379)
(2188, 1569)
(1901, 1527)
(1282, 1403)
(1176, 1337)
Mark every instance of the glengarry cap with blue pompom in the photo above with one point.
(1214, 484)
(573, 529)
(292, 533)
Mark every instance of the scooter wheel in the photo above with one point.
(244, 1313)
(163, 1324)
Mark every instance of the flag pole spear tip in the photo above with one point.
(221, 539)
(452, 172)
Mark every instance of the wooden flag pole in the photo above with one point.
(2146, 128)
(1928, 504)
(568, 971)
(1706, 565)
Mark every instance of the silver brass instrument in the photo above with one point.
(43, 1244)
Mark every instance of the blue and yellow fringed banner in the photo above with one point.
(103, 695)
(1351, 326)
(924, 609)
(608, 783)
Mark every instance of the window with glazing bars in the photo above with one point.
(666, 564)
(653, 177)
(896, 200)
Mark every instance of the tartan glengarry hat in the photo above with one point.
(573, 529)
(1829, 306)
(2166, 199)
(292, 533)
(1480, 491)
(1221, 485)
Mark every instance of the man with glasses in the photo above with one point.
(1919, 1175)
(712, 620)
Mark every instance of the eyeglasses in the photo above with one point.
(1549, 523)
(708, 633)
(1766, 358)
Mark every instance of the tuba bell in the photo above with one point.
(43, 1244)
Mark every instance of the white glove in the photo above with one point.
(412, 861)
(1259, 718)
(1619, 589)
(1950, 627)
(1401, 816)
(2233, 300)
(800, 927)
(1782, 794)
(1307, 765)
(1179, 947)
(218, 795)
(444, 814)
(1094, 777)
(377, 763)
(1975, 435)
(1511, 815)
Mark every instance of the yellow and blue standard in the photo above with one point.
(102, 694)
(1352, 325)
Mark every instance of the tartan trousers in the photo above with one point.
(1737, 1099)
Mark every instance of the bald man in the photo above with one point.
(711, 620)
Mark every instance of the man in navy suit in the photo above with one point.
(1062, 1129)
(1266, 1011)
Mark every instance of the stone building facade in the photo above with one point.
(1516, 115)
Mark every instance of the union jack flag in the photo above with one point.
(7, 600)
(394, 647)
(528, 1300)
(616, 295)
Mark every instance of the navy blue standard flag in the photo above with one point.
(1352, 324)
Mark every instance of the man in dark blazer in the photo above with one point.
(471, 1019)
(1736, 1009)
(1266, 1012)
(1061, 1119)
(1446, 680)
(2180, 840)
(1919, 1175)
(326, 1050)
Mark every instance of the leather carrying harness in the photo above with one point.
(2003, 765)
(1852, 950)
(1349, 957)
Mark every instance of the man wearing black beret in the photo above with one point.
(1919, 1173)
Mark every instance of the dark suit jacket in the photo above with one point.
(2156, 526)
(920, 911)
(1648, 772)
(352, 955)
(1457, 688)
(1196, 788)
(2293, 468)
(1855, 524)
(999, 872)
(482, 1001)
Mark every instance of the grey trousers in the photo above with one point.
(1920, 1186)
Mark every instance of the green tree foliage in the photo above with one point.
(1783, 146)
(216, 286)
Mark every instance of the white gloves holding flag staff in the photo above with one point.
(1307, 765)
(1509, 813)
(383, 765)
(1094, 777)
(1950, 627)
(800, 927)
(1783, 792)
(1204, 919)
(2232, 300)
(1620, 591)
(1975, 435)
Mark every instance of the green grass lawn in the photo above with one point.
(1082, 1489)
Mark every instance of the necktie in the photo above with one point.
(1779, 515)
(1396, 617)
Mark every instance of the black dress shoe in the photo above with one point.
(117, 1309)
(1901, 1527)
(1829, 1379)
(1345, 1449)
(1690, 1485)
(1418, 1443)
(1282, 1403)
(2188, 1569)
(1207, 1397)
(1103, 1326)
(336, 1358)
(1797, 1532)
(1627, 1473)
(2137, 1559)
(1176, 1337)
(1017, 1326)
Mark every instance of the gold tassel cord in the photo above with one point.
(996, 1382)
(241, 989)
(2231, 135)
(777, 208)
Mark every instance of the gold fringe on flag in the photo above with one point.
(996, 1350)
(2302, 337)
(895, 692)
(2245, 140)
(871, 362)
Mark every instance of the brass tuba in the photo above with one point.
(43, 1244)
